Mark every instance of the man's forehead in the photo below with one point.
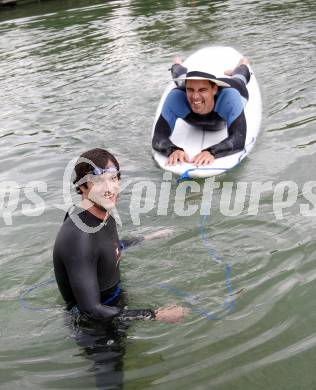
(110, 164)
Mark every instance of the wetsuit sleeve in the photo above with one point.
(161, 141)
(174, 107)
(127, 242)
(235, 141)
(81, 267)
(84, 283)
(229, 107)
(136, 314)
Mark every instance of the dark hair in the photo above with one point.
(96, 158)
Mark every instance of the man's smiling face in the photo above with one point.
(200, 94)
(102, 189)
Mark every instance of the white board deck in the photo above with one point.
(193, 140)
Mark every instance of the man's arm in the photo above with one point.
(82, 274)
(175, 106)
(162, 233)
(235, 141)
(85, 287)
(161, 141)
(81, 267)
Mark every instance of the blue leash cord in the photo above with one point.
(27, 291)
(229, 304)
(45, 283)
(185, 175)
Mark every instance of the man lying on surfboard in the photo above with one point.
(207, 102)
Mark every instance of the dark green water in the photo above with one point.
(81, 74)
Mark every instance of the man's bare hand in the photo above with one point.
(162, 233)
(203, 158)
(178, 156)
(171, 314)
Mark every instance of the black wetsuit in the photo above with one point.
(228, 109)
(86, 266)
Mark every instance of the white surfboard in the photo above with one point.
(192, 139)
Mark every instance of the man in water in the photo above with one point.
(87, 255)
(87, 250)
(206, 102)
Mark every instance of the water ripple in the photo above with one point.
(75, 76)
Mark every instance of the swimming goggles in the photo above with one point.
(100, 171)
